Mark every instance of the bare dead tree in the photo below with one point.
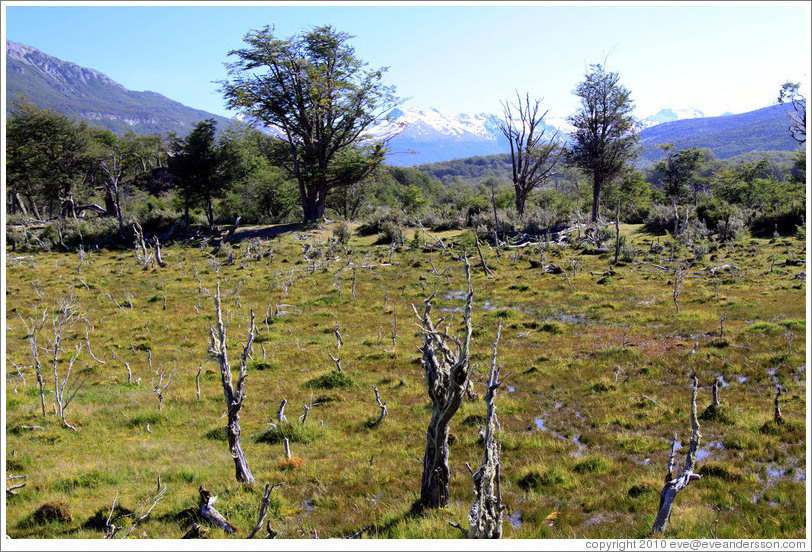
(789, 333)
(339, 340)
(164, 380)
(66, 316)
(110, 527)
(382, 406)
(675, 485)
(532, 155)
(12, 491)
(487, 270)
(263, 508)
(777, 417)
(337, 362)
(679, 276)
(485, 517)
(446, 371)
(234, 394)
(722, 325)
(280, 415)
(32, 332)
(140, 246)
(158, 257)
(197, 380)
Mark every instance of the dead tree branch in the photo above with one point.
(674, 486)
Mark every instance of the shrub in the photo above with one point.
(293, 463)
(342, 233)
(99, 519)
(628, 253)
(644, 487)
(660, 219)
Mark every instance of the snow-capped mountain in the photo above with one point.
(670, 115)
(428, 136)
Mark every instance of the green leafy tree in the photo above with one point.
(46, 160)
(197, 164)
(677, 177)
(258, 189)
(320, 97)
(604, 140)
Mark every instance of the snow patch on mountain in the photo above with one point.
(671, 115)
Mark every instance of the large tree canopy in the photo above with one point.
(604, 139)
(319, 96)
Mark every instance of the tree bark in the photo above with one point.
(597, 184)
(446, 381)
(234, 396)
(485, 517)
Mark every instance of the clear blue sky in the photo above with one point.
(715, 57)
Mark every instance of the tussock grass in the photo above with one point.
(581, 357)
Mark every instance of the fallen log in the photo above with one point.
(210, 514)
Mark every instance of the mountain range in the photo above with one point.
(417, 136)
(89, 95)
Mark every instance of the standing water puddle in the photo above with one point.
(540, 424)
(515, 519)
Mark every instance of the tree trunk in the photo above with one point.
(310, 208)
(242, 471)
(617, 231)
(436, 473)
(521, 199)
(109, 203)
(597, 184)
(186, 210)
(447, 382)
(20, 204)
(34, 208)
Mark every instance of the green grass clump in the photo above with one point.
(295, 433)
(260, 365)
(721, 471)
(593, 465)
(331, 380)
(535, 480)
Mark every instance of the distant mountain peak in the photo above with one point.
(87, 94)
(670, 115)
(64, 72)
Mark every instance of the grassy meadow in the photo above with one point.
(598, 357)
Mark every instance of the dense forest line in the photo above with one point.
(88, 186)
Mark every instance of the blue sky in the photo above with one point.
(456, 57)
